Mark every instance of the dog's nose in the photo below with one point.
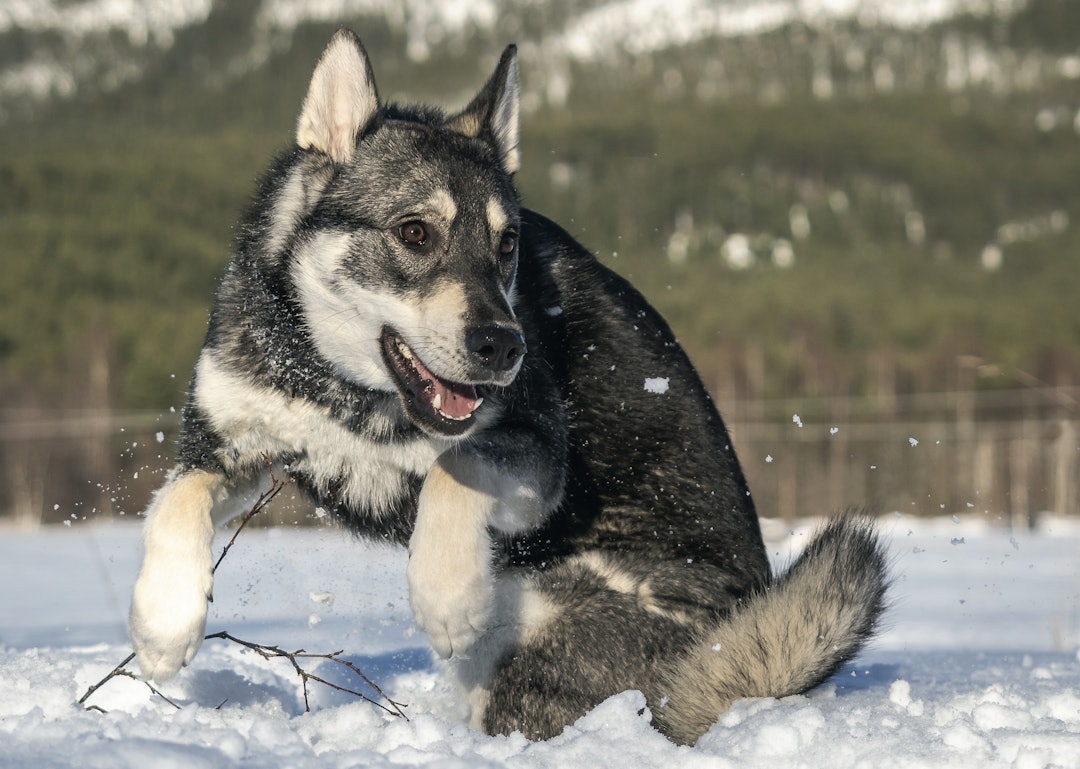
(495, 347)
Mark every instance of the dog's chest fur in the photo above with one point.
(338, 465)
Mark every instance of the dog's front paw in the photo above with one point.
(452, 595)
(168, 613)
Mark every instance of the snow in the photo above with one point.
(644, 26)
(140, 19)
(978, 667)
(657, 385)
(595, 31)
(641, 24)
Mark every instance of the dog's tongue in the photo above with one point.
(457, 401)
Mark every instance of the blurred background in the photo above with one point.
(862, 220)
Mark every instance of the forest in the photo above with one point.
(843, 212)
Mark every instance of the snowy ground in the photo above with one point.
(979, 668)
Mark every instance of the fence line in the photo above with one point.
(1008, 455)
(23, 426)
(63, 465)
(1012, 470)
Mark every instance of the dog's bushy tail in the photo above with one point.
(786, 639)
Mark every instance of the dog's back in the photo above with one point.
(651, 463)
(652, 574)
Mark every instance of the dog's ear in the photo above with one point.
(493, 114)
(341, 100)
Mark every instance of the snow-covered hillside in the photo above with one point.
(55, 49)
(671, 22)
(980, 665)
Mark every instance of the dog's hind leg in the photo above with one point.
(168, 609)
(596, 635)
(689, 636)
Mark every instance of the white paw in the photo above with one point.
(168, 611)
(168, 608)
(452, 592)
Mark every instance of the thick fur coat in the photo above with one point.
(446, 370)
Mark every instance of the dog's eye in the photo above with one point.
(508, 243)
(413, 233)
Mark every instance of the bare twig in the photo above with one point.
(273, 652)
(264, 499)
(120, 670)
(267, 652)
(94, 687)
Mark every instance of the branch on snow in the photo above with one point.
(263, 650)
(273, 652)
(120, 670)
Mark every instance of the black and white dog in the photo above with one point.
(446, 370)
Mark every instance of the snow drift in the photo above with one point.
(979, 666)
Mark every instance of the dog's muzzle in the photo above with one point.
(443, 406)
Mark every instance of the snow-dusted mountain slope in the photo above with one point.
(51, 49)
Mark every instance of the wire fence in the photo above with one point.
(1009, 455)
(1010, 470)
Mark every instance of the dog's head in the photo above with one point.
(402, 238)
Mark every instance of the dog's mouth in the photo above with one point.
(434, 403)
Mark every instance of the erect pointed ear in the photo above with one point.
(493, 114)
(341, 100)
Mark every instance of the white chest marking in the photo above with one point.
(256, 421)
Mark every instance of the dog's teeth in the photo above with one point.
(404, 350)
(437, 403)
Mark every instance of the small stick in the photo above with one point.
(264, 499)
(120, 670)
(271, 652)
(112, 674)
(267, 652)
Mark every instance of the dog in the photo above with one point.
(443, 369)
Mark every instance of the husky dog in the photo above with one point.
(444, 369)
